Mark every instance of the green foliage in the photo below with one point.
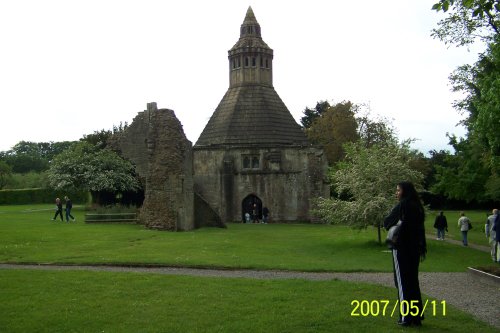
(332, 128)
(27, 156)
(100, 138)
(378, 131)
(38, 196)
(5, 174)
(310, 115)
(86, 167)
(366, 183)
(28, 180)
(464, 175)
(472, 173)
(468, 20)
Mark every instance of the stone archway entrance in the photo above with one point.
(247, 206)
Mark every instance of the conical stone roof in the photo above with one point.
(251, 113)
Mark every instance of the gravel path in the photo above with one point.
(479, 297)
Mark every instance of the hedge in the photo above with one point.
(40, 196)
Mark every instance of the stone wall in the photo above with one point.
(156, 144)
(285, 179)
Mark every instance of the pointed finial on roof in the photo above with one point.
(250, 17)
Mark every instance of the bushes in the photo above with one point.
(40, 195)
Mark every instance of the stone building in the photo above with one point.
(252, 151)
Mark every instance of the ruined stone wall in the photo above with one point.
(156, 144)
(286, 179)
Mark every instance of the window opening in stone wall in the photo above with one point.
(253, 62)
(234, 64)
(267, 63)
(246, 162)
(251, 162)
(246, 61)
(255, 162)
(261, 62)
(238, 64)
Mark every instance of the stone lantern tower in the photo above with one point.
(252, 151)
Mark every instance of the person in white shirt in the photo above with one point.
(492, 234)
(463, 223)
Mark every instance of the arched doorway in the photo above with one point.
(247, 206)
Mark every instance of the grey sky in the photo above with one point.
(68, 68)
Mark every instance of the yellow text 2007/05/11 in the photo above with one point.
(385, 307)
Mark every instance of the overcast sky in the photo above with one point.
(68, 68)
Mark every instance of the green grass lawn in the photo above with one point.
(85, 301)
(27, 235)
(81, 301)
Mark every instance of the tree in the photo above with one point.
(5, 174)
(332, 128)
(468, 21)
(375, 131)
(86, 167)
(473, 172)
(463, 175)
(310, 115)
(366, 184)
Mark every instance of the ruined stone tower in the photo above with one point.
(252, 151)
(155, 143)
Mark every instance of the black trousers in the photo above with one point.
(406, 264)
(59, 212)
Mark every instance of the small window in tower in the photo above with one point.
(246, 162)
(250, 162)
(267, 63)
(238, 64)
(250, 29)
(261, 62)
(253, 62)
(255, 162)
(234, 64)
(246, 61)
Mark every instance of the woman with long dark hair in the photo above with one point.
(409, 249)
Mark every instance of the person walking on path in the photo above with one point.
(441, 225)
(492, 235)
(464, 224)
(58, 209)
(69, 205)
(409, 249)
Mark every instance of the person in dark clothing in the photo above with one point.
(58, 209)
(255, 214)
(265, 215)
(409, 250)
(69, 205)
(441, 225)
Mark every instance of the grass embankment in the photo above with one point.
(80, 301)
(28, 236)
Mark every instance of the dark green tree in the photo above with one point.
(310, 115)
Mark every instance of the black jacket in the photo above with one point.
(440, 222)
(412, 231)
